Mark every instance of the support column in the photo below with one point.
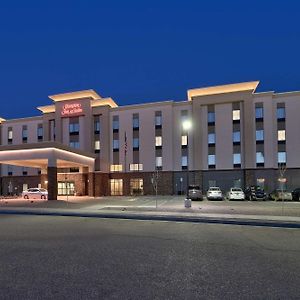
(52, 179)
(91, 182)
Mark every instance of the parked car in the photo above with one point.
(195, 192)
(255, 193)
(280, 195)
(296, 194)
(35, 193)
(214, 193)
(236, 194)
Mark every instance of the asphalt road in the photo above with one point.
(85, 258)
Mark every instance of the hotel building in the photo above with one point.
(85, 144)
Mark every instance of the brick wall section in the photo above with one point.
(52, 183)
(101, 184)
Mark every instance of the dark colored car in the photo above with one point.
(296, 194)
(195, 192)
(255, 193)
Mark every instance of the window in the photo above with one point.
(135, 121)
(184, 140)
(280, 113)
(24, 133)
(237, 158)
(115, 145)
(260, 158)
(211, 159)
(136, 143)
(158, 119)
(158, 141)
(9, 135)
(136, 167)
(236, 137)
(40, 132)
(281, 135)
(136, 186)
(74, 145)
(236, 115)
(259, 112)
(261, 183)
(158, 162)
(211, 138)
(116, 168)
(74, 128)
(116, 187)
(259, 134)
(24, 171)
(211, 117)
(281, 157)
(115, 123)
(9, 170)
(184, 161)
(97, 146)
(97, 125)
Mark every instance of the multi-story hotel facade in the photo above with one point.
(89, 145)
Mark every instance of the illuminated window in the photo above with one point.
(116, 187)
(136, 186)
(10, 134)
(158, 141)
(97, 145)
(281, 157)
(211, 138)
(158, 161)
(184, 140)
(236, 115)
(116, 168)
(136, 167)
(281, 135)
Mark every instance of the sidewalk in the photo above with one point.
(98, 208)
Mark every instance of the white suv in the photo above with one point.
(35, 193)
(214, 193)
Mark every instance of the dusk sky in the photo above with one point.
(143, 51)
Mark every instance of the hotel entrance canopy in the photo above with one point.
(48, 156)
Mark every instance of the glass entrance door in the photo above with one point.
(66, 188)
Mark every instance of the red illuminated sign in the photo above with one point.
(71, 109)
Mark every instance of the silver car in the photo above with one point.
(195, 192)
(35, 193)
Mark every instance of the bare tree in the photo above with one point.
(154, 181)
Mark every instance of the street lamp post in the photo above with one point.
(186, 126)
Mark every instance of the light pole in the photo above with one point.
(186, 126)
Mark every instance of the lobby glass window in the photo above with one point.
(260, 158)
(74, 128)
(75, 145)
(211, 138)
(116, 168)
(236, 115)
(115, 123)
(184, 161)
(158, 141)
(135, 121)
(115, 145)
(259, 134)
(116, 187)
(237, 158)
(280, 113)
(158, 162)
(281, 135)
(184, 140)
(136, 186)
(259, 112)
(211, 159)
(236, 136)
(211, 117)
(136, 143)
(281, 157)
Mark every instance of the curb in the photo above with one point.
(170, 218)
